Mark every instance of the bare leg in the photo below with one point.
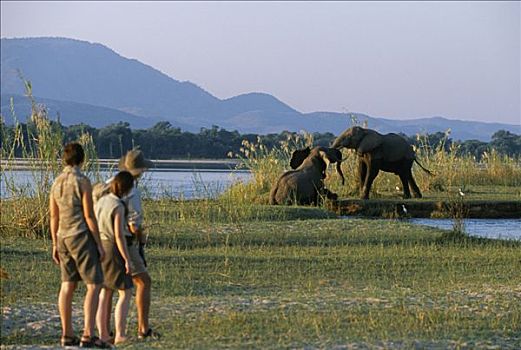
(120, 315)
(103, 314)
(65, 307)
(109, 307)
(90, 306)
(143, 285)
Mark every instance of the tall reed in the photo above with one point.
(265, 165)
(451, 171)
(25, 205)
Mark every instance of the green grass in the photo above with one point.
(234, 273)
(276, 281)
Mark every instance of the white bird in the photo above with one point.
(397, 188)
(404, 209)
(461, 192)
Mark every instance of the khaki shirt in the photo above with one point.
(105, 209)
(66, 192)
(135, 212)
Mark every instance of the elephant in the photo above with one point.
(389, 152)
(305, 183)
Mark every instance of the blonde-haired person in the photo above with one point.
(111, 213)
(136, 163)
(76, 245)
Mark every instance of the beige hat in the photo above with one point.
(134, 162)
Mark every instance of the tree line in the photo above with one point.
(164, 141)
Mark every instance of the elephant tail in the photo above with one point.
(273, 193)
(424, 169)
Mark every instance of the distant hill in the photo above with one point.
(87, 82)
(70, 112)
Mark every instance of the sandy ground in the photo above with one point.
(42, 319)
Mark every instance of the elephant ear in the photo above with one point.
(371, 141)
(325, 156)
(333, 155)
(297, 158)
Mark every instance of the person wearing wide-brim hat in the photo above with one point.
(135, 163)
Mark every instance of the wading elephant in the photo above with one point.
(305, 184)
(389, 152)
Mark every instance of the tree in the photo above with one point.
(505, 142)
(115, 140)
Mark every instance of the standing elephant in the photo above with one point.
(305, 184)
(389, 152)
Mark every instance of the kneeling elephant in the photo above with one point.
(305, 184)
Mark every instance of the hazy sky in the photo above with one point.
(399, 60)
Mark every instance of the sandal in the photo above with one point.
(149, 334)
(69, 340)
(94, 342)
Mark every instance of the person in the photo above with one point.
(76, 246)
(112, 218)
(135, 162)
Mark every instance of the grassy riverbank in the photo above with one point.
(233, 273)
(294, 278)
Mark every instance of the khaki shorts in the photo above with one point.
(113, 266)
(136, 261)
(79, 259)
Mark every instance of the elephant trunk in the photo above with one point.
(337, 143)
(339, 170)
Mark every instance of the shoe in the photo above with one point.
(94, 342)
(69, 341)
(150, 334)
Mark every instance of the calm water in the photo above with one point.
(189, 184)
(176, 183)
(487, 228)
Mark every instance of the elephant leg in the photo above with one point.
(273, 194)
(414, 186)
(371, 175)
(362, 174)
(405, 183)
(311, 200)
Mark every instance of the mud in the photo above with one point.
(476, 209)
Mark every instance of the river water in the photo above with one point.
(487, 228)
(173, 183)
(206, 183)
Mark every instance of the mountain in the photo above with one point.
(88, 82)
(70, 113)
(73, 70)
